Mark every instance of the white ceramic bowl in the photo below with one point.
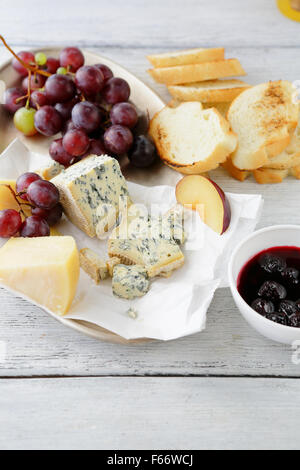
(280, 235)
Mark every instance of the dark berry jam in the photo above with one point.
(270, 284)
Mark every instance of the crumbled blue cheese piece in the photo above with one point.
(50, 170)
(93, 265)
(129, 282)
(86, 186)
(141, 239)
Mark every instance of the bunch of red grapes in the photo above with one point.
(43, 199)
(87, 104)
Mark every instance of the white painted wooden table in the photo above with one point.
(225, 388)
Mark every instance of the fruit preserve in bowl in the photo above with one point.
(264, 276)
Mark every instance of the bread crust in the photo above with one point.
(239, 175)
(218, 156)
(269, 176)
(186, 57)
(207, 95)
(197, 72)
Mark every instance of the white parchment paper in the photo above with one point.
(174, 307)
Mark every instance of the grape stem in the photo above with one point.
(32, 68)
(20, 204)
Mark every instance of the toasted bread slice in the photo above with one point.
(264, 118)
(290, 157)
(187, 57)
(197, 72)
(269, 175)
(190, 139)
(239, 175)
(217, 91)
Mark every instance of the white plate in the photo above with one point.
(146, 100)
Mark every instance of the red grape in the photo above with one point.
(118, 139)
(76, 142)
(36, 82)
(124, 114)
(24, 181)
(35, 227)
(58, 153)
(68, 126)
(65, 108)
(60, 88)
(10, 97)
(96, 147)
(142, 153)
(27, 57)
(89, 80)
(10, 223)
(43, 194)
(38, 99)
(86, 116)
(48, 120)
(106, 72)
(51, 65)
(115, 91)
(71, 57)
(51, 216)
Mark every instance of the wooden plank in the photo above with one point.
(37, 345)
(149, 413)
(180, 23)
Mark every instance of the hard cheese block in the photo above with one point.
(129, 282)
(91, 191)
(44, 269)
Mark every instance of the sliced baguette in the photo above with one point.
(290, 157)
(210, 91)
(192, 140)
(269, 175)
(239, 175)
(197, 72)
(221, 107)
(264, 118)
(187, 57)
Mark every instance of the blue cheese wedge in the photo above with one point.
(129, 282)
(50, 170)
(86, 186)
(93, 265)
(140, 239)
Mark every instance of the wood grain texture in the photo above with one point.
(136, 23)
(150, 413)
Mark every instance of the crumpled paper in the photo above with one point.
(175, 306)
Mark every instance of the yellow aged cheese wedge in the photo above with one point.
(7, 200)
(44, 269)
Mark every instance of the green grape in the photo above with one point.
(24, 121)
(40, 58)
(62, 70)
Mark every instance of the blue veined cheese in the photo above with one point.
(50, 170)
(141, 239)
(88, 185)
(129, 282)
